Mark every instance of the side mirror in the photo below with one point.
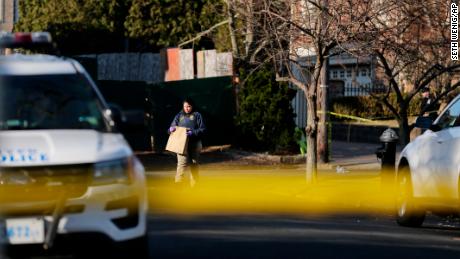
(424, 122)
(435, 127)
(117, 115)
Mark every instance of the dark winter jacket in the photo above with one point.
(192, 121)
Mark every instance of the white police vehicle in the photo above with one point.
(428, 171)
(64, 168)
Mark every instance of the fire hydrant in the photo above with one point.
(387, 154)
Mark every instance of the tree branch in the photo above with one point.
(201, 34)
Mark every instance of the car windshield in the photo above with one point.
(53, 101)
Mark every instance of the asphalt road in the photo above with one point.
(289, 236)
(268, 236)
(219, 234)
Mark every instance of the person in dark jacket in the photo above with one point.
(427, 112)
(426, 103)
(193, 121)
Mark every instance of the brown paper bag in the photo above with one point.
(178, 141)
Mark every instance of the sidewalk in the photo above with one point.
(353, 155)
(344, 156)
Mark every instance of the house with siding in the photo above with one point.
(348, 75)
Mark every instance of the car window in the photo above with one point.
(451, 117)
(61, 101)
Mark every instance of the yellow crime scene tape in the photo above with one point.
(350, 117)
(247, 191)
(347, 116)
(339, 115)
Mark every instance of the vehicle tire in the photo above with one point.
(407, 212)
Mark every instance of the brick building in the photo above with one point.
(8, 14)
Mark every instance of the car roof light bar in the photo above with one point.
(26, 40)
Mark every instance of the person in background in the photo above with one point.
(427, 112)
(193, 121)
(426, 106)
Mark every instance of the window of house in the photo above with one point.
(334, 74)
(348, 72)
(342, 74)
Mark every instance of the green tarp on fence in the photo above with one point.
(130, 96)
(161, 102)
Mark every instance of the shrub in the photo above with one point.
(266, 119)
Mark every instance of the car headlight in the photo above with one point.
(114, 171)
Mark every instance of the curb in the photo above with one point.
(338, 165)
(294, 159)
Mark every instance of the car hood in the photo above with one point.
(60, 147)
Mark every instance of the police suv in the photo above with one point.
(64, 168)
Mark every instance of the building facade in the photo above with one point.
(9, 14)
(348, 75)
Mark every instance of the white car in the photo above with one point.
(64, 168)
(428, 170)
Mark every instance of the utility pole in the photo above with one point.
(323, 140)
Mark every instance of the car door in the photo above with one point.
(421, 156)
(446, 152)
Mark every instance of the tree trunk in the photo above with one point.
(404, 129)
(249, 29)
(310, 132)
(232, 28)
(323, 149)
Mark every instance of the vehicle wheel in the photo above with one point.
(407, 213)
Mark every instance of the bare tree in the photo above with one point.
(297, 36)
(247, 45)
(412, 52)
